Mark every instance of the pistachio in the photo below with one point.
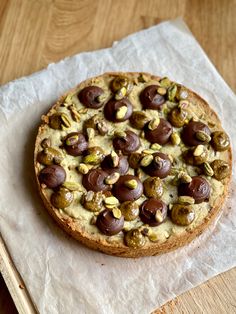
(158, 216)
(142, 134)
(72, 140)
(146, 160)
(198, 151)
(156, 146)
(134, 239)
(175, 138)
(92, 159)
(138, 119)
(120, 134)
(90, 133)
(153, 124)
(45, 143)
(120, 94)
(130, 210)
(74, 113)
(115, 158)
(131, 184)
(153, 237)
(82, 168)
(171, 92)
(143, 78)
(93, 201)
(83, 110)
(166, 234)
(111, 200)
(102, 97)
(148, 151)
(72, 186)
(208, 171)
(221, 169)
(112, 178)
(102, 127)
(161, 91)
(165, 82)
(186, 200)
(121, 112)
(183, 177)
(65, 120)
(182, 214)
(116, 213)
(203, 136)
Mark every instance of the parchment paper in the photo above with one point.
(63, 276)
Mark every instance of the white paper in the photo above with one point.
(63, 276)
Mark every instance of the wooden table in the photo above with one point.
(34, 33)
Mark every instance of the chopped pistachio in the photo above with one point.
(153, 124)
(147, 151)
(161, 91)
(203, 136)
(158, 216)
(146, 160)
(131, 184)
(90, 133)
(120, 93)
(82, 168)
(116, 213)
(156, 146)
(112, 178)
(175, 138)
(121, 112)
(208, 171)
(165, 82)
(115, 158)
(120, 134)
(198, 151)
(186, 200)
(72, 186)
(171, 92)
(111, 200)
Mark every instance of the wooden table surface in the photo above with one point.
(34, 33)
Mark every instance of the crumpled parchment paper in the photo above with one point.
(61, 275)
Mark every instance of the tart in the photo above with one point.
(132, 164)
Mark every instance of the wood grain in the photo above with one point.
(34, 33)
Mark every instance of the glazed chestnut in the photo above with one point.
(182, 214)
(198, 188)
(192, 132)
(134, 160)
(159, 167)
(178, 117)
(160, 134)
(196, 156)
(94, 180)
(220, 141)
(130, 210)
(93, 201)
(128, 188)
(111, 165)
(89, 97)
(75, 144)
(134, 239)
(118, 110)
(108, 224)
(52, 176)
(49, 156)
(150, 99)
(127, 144)
(62, 198)
(138, 119)
(153, 187)
(153, 212)
(221, 169)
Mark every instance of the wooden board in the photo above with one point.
(34, 33)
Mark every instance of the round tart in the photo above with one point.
(132, 164)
